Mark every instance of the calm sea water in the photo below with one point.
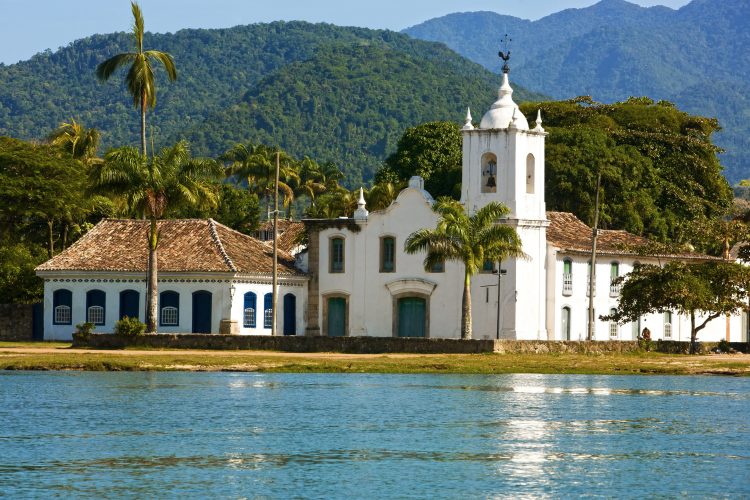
(163, 435)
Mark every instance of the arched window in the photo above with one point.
(387, 254)
(567, 277)
(96, 306)
(129, 304)
(489, 173)
(565, 323)
(62, 305)
(248, 315)
(613, 330)
(668, 325)
(337, 255)
(268, 310)
(614, 273)
(169, 302)
(530, 173)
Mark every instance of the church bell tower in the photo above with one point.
(503, 161)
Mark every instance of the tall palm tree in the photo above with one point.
(82, 143)
(471, 240)
(140, 77)
(149, 188)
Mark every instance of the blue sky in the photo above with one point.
(31, 26)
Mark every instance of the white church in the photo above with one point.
(353, 277)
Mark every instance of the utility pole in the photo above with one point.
(592, 275)
(275, 248)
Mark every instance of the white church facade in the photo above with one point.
(352, 277)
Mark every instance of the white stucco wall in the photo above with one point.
(604, 301)
(218, 284)
(371, 292)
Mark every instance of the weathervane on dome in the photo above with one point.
(505, 56)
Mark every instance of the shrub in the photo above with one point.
(723, 346)
(83, 332)
(129, 327)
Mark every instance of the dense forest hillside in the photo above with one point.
(696, 57)
(337, 94)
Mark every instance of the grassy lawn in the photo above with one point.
(58, 356)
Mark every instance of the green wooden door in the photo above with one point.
(336, 317)
(412, 318)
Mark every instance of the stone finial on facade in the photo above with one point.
(538, 127)
(361, 213)
(468, 125)
(514, 120)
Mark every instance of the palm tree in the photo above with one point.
(256, 164)
(80, 142)
(149, 188)
(382, 195)
(472, 240)
(140, 77)
(311, 180)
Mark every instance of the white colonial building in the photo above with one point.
(211, 279)
(352, 277)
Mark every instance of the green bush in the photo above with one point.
(129, 327)
(83, 332)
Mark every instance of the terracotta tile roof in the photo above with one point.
(570, 234)
(185, 245)
(290, 234)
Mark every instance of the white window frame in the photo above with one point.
(62, 315)
(248, 317)
(95, 315)
(170, 316)
(268, 318)
(668, 325)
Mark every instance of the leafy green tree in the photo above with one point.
(659, 165)
(151, 187)
(18, 280)
(432, 151)
(713, 289)
(471, 240)
(80, 142)
(43, 195)
(140, 78)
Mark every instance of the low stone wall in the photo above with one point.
(16, 322)
(377, 345)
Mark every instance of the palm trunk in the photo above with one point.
(143, 124)
(51, 241)
(466, 309)
(151, 293)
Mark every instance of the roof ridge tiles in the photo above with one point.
(215, 236)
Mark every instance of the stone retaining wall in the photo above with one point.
(372, 345)
(16, 321)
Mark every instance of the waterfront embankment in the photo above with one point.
(60, 356)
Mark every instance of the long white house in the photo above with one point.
(211, 279)
(351, 276)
